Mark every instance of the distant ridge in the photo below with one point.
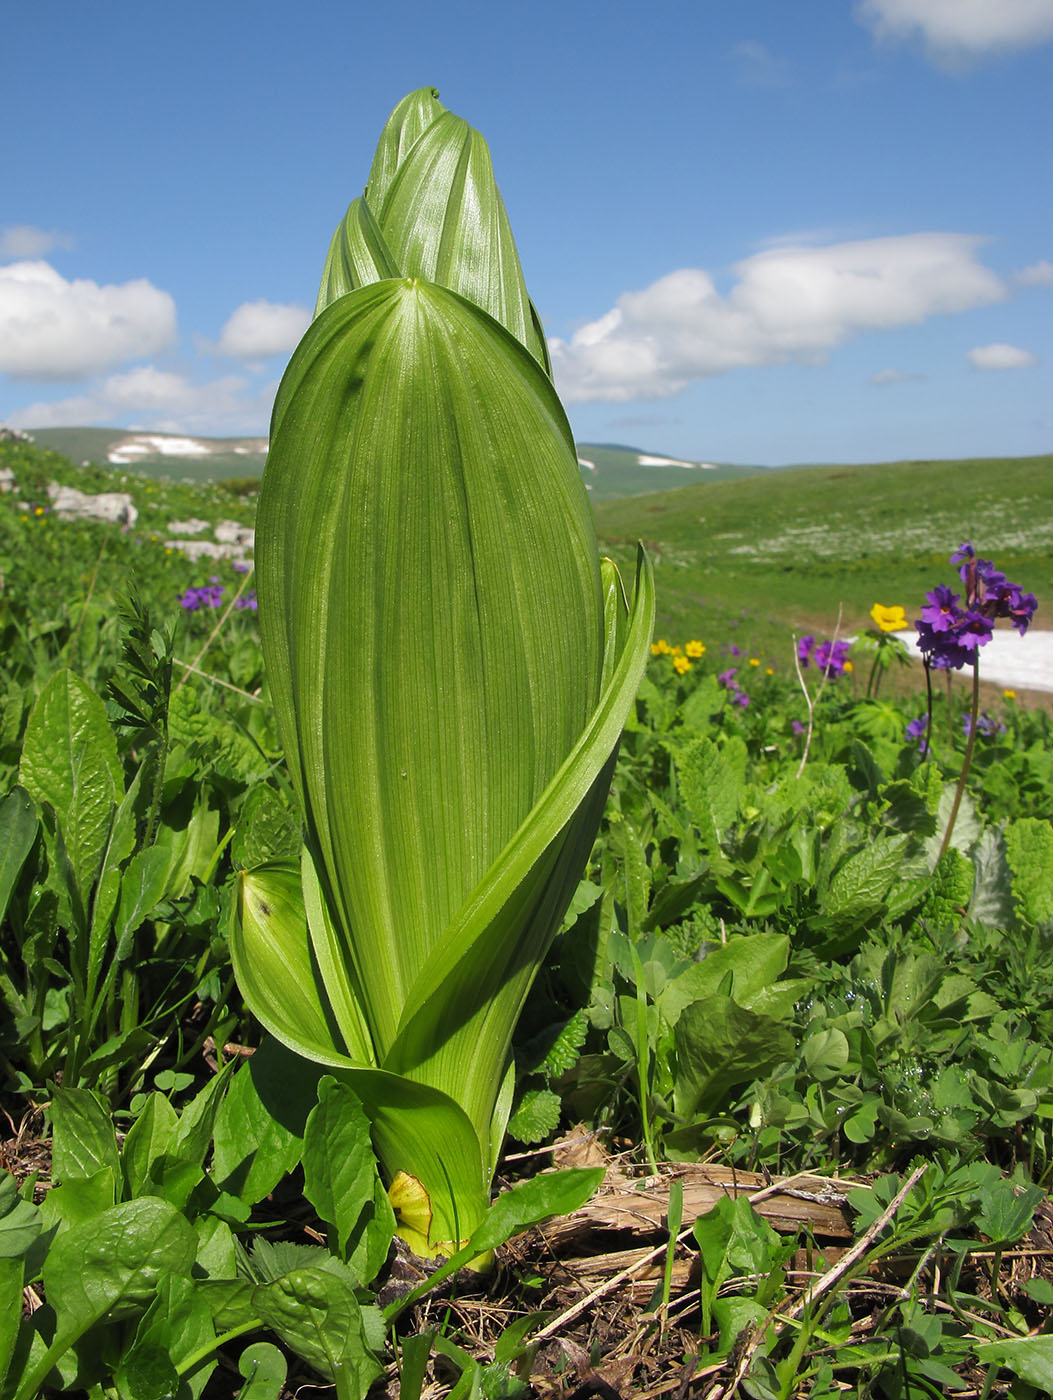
(610, 470)
(181, 456)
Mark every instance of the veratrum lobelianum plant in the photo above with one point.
(451, 665)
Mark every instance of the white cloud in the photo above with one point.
(259, 329)
(959, 30)
(54, 329)
(994, 357)
(1039, 274)
(758, 66)
(159, 400)
(24, 241)
(787, 304)
(894, 376)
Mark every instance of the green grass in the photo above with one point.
(788, 547)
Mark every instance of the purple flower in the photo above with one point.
(949, 636)
(240, 566)
(249, 601)
(797, 726)
(727, 678)
(941, 612)
(916, 729)
(209, 596)
(985, 724)
(829, 657)
(740, 698)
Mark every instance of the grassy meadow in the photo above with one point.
(795, 1030)
(789, 547)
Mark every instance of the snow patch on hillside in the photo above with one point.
(136, 446)
(644, 459)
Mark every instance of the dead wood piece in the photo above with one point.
(640, 1206)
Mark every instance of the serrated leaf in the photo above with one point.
(537, 1116)
(69, 761)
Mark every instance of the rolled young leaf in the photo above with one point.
(432, 209)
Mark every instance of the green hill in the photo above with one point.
(791, 545)
(609, 470)
(740, 552)
(176, 457)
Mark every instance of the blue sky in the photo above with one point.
(755, 231)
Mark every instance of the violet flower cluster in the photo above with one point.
(953, 626)
(827, 657)
(727, 679)
(208, 596)
(917, 730)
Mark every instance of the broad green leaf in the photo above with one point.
(110, 1268)
(18, 829)
(755, 961)
(20, 1221)
(267, 831)
(149, 1139)
(525, 1204)
(316, 1314)
(444, 219)
(357, 256)
(405, 126)
(146, 1372)
(720, 1044)
(69, 761)
(84, 1138)
(485, 494)
(80, 1200)
(1030, 1358)
(710, 786)
(259, 1127)
(179, 1326)
(11, 1281)
(534, 1200)
(340, 1170)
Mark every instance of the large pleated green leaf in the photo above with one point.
(417, 1128)
(459, 1017)
(432, 209)
(431, 610)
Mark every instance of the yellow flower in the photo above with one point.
(849, 667)
(754, 661)
(661, 647)
(676, 651)
(681, 664)
(892, 619)
(769, 670)
(695, 649)
(39, 510)
(1009, 694)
